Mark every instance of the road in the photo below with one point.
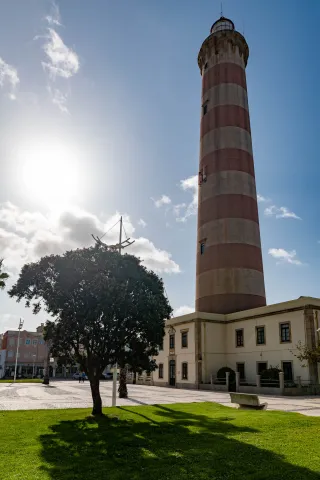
(71, 394)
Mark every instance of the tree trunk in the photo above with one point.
(134, 381)
(123, 391)
(96, 398)
(46, 379)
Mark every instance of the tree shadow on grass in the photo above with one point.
(168, 444)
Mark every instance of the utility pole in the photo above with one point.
(117, 247)
(17, 352)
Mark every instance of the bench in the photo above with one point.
(247, 401)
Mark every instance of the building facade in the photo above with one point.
(31, 356)
(229, 276)
(2, 362)
(197, 345)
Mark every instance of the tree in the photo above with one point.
(138, 353)
(3, 276)
(310, 355)
(307, 354)
(99, 300)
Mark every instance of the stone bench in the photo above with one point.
(247, 401)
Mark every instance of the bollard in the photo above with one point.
(281, 381)
(227, 380)
(258, 381)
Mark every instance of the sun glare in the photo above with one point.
(50, 173)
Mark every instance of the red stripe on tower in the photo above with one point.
(229, 275)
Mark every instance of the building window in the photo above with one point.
(202, 247)
(171, 341)
(241, 370)
(261, 367)
(34, 342)
(260, 336)
(160, 370)
(184, 339)
(285, 336)
(10, 354)
(287, 371)
(28, 341)
(239, 338)
(204, 109)
(11, 342)
(185, 371)
(41, 342)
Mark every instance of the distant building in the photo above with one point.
(31, 356)
(2, 362)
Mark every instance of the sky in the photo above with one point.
(100, 110)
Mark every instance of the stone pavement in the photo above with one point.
(71, 394)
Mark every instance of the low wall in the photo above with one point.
(187, 386)
(218, 388)
(260, 390)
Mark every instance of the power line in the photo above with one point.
(110, 229)
(124, 231)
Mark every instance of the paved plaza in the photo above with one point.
(71, 394)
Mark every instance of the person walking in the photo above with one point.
(79, 377)
(83, 376)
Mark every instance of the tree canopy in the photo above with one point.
(100, 302)
(3, 276)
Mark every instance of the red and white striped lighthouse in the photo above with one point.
(229, 259)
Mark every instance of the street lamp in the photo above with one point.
(34, 357)
(17, 352)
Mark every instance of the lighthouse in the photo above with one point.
(229, 269)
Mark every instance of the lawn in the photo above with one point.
(23, 380)
(182, 441)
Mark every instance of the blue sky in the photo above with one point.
(100, 107)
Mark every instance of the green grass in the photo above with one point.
(23, 380)
(181, 442)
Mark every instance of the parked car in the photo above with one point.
(76, 376)
(107, 376)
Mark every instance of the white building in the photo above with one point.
(197, 345)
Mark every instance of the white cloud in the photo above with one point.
(26, 236)
(62, 60)
(177, 209)
(280, 212)
(163, 200)
(54, 18)
(184, 211)
(59, 99)
(8, 78)
(142, 223)
(262, 199)
(183, 310)
(8, 322)
(284, 256)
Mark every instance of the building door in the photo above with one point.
(287, 371)
(172, 373)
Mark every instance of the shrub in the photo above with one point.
(271, 373)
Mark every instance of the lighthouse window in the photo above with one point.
(202, 248)
(204, 108)
(206, 65)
